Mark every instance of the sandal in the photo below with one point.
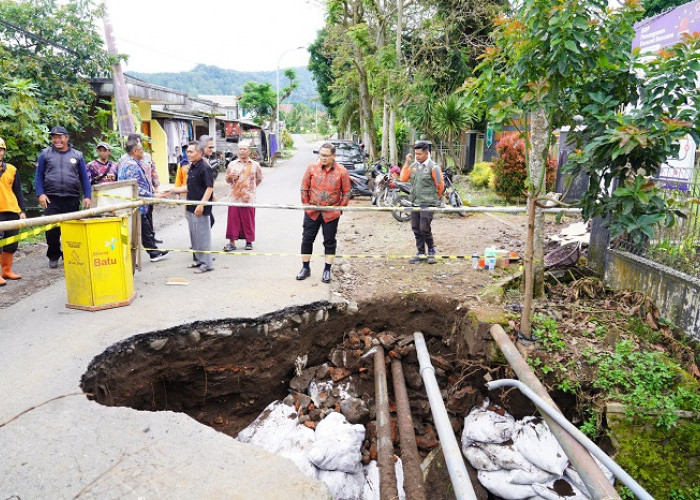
(229, 247)
(203, 270)
(248, 246)
(194, 265)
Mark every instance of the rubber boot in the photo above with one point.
(6, 259)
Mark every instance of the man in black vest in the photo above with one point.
(61, 175)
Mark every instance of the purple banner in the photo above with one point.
(666, 29)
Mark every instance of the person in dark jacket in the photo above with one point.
(60, 177)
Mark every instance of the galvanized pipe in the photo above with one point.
(459, 476)
(597, 484)
(414, 486)
(385, 446)
(80, 214)
(545, 408)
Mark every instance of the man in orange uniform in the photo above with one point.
(11, 208)
(327, 184)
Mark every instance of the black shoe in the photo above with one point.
(326, 278)
(157, 240)
(304, 273)
(419, 257)
(159, 255)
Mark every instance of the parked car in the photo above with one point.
(350, 155)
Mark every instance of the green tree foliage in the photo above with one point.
(654, 7)
(48, 50)
(630, 145)
(258, 99)
(320, 65)
(452, 116)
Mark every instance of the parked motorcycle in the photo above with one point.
(450, 193)
(402, 199)
(450, 197)
(362, 184)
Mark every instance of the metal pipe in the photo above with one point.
(545, 408)
(461, 483)
(414, 486)
(385, 446)
(80, 214)
(598, 485)
(503, 210)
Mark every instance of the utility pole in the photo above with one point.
(121, 96)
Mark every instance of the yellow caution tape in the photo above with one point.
(282, 254)
(27, 234)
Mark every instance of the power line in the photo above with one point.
(38, 37)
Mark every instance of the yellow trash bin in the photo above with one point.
(97, 260)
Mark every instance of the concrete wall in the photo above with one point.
(676, 294)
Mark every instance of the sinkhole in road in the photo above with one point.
(225, 373)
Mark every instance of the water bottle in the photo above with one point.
(475, 260)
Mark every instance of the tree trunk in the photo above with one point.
(366, 105)
(393, 150)
(539, 128)
(385, 127)
(526, 320)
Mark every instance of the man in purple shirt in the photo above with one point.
(102, 169)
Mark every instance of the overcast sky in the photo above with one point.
(245, 35)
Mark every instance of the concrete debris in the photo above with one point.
(355, 410)
(301, 382)
(578, 232)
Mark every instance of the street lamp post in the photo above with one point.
(277, 118)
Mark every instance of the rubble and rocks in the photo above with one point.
(326, 423)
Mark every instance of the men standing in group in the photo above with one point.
(244, 175)
(325, 183)
(427, 185)
(200, 187)
(130, 167)
(102, 169)
(60, 176)
(11, 208)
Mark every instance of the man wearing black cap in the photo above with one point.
(102, 169)
(60, 177)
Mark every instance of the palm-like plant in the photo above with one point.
(451, 117)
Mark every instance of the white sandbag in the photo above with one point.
(371, 489)
(536, 442)
(487, 426)
(572, 476)
(559, 489)
(297, 447)
(505, 456)
(497, 483)
(343, 486)
(478, 458)
(536, 475)
(337, 445)
(271, 428)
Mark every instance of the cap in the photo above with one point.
(58, 131)
(2, 143)
(104, 145)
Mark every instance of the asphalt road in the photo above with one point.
(74, 448)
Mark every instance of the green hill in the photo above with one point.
(213, 80)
